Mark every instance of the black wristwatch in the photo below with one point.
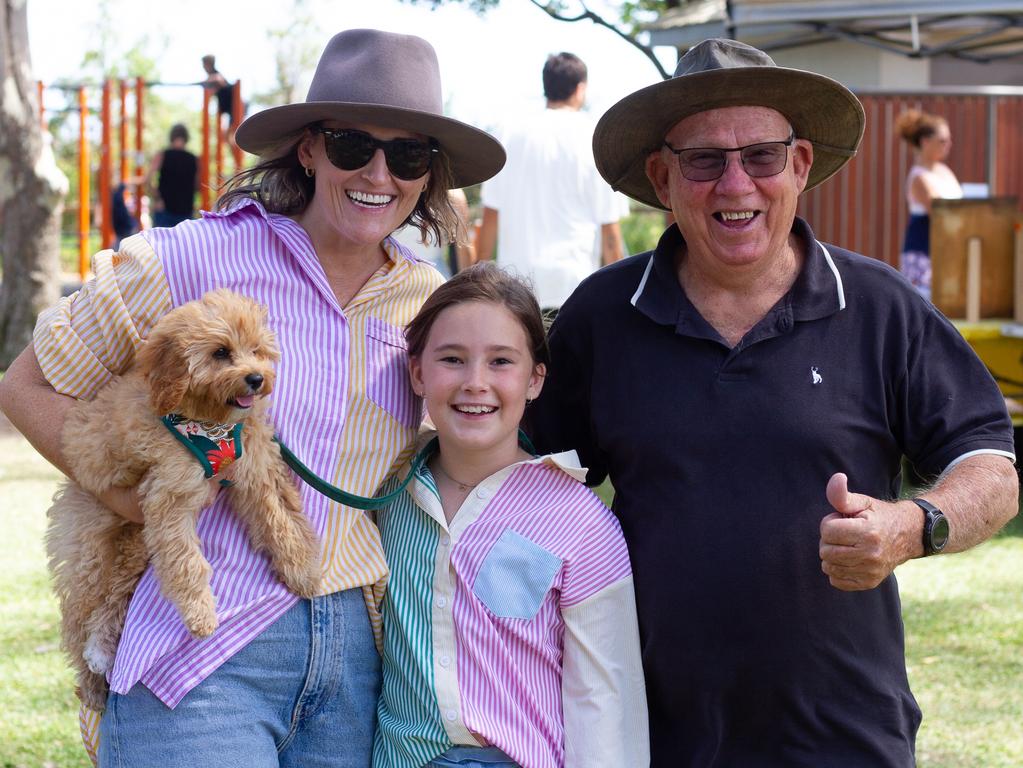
(935, 527)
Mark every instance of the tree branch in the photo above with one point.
(600, 21)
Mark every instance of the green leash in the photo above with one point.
(371, 502)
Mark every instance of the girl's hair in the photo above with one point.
(486, 282)
(915, 125)
(279, 182)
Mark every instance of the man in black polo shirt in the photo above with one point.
(735, 384)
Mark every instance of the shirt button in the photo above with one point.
(445, 660)
(784, 322)
(483, 493)
(444, 541)
(441, 602)
(451, 715)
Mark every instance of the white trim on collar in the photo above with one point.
(642, 282)
(566, 461)
(827, 258)
(838, 276)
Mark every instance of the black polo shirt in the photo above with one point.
(720, 458)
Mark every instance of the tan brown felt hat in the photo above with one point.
(383, 78)
(725, 73)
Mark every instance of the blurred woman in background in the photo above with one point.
(928, 178)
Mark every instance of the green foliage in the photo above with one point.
(638, 13)
(295, 56)
(642, 228)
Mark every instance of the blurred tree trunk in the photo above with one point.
(32, 191)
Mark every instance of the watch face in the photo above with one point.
(939, 533)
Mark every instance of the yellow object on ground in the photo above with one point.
(999, 344)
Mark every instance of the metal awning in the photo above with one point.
(979, 30)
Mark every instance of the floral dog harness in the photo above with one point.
(215, 446)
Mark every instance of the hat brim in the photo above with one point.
(820, 110)
(474, 155)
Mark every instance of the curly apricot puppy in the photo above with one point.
(210, 363)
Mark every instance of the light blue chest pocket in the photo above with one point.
(515, 577)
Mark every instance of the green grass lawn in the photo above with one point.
(963, 614)
(38, 710)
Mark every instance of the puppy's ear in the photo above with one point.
(162, 361)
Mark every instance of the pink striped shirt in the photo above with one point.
(342, 403)
(515, 624)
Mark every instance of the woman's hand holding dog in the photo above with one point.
(125, 501)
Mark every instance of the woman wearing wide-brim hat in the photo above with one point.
(305, 232)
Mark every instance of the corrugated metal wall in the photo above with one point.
(863, 208)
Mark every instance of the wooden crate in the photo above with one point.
(990, 223)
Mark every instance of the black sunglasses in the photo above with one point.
(349, 150)
(758, 160)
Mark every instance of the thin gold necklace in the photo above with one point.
(463, 487)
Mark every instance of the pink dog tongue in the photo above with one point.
(245, 402)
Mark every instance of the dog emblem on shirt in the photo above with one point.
(816, 375)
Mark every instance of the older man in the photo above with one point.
(735, 383)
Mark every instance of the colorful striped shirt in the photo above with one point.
(342, 402)
(514, 626)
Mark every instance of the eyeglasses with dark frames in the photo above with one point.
(768, 158)
(350, 149)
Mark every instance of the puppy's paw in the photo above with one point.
(201, 617)
(301, 578)
(98, 658)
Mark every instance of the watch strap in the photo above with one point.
(931, 514)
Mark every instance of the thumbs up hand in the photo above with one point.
(865, 538)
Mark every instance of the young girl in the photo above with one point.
(510, 633)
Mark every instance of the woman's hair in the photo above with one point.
(485, 282)
(915, 125)
(280, 184)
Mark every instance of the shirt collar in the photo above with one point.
(399, 258)
(395, 251)
(426, 444)
(817, 292)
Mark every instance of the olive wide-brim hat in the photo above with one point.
(715, 74)
(384, 79)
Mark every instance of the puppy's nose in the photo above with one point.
(255, 381)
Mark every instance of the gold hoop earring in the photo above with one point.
(309, 172)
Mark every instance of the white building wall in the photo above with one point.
(858, 66)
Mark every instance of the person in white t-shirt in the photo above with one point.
(552, 217)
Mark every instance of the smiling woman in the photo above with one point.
(306, 233)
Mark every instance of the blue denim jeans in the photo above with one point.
(302, 694)
(472, 757)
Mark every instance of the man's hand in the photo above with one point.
(865, 538)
